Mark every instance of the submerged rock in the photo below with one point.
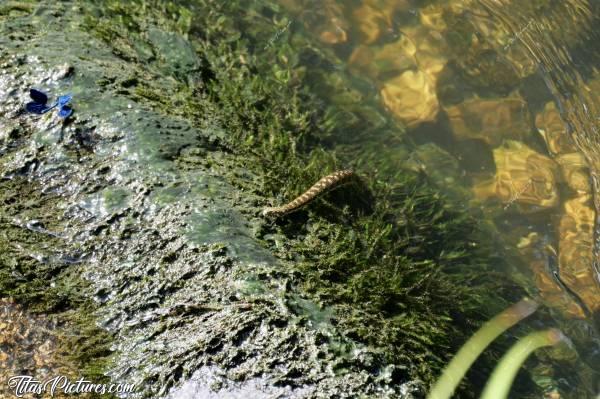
(411, 98)
(374, 18)
(432, 16)
(491, 121)
(391, 58)
(431, 49)
(575, 251)
(523, 177)
(332, 27)
(553, 130)
(575, 172)
(538, 258)
(576, 226)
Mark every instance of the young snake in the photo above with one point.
(325, 184)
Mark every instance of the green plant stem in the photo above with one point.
(499, 384)
(465, 357)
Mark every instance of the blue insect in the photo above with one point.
(39, 104)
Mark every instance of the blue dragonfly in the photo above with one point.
(39, 104)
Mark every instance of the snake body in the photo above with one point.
(325, 184)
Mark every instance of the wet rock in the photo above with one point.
(372, 22)
(329, 23)
(575, 172)
(539, 259)
(523, 177)
(432, 16)
(553, 129)
(147, 192)
(389, 59)
(491, 121)
(411, 98)
(575, 251)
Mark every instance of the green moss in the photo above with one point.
(28, 269)
(89, 347)
(35, 273)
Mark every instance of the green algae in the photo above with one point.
(39, 271)
(27, 271)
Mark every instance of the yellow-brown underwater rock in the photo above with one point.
(567, 283)
(489, 120)
(554, 130)
(389, 59)
(431, 48)
(575, 172)
(332, 25)
(371, 22)
(416, 48)
(574, 167)
(431, 56)
(549, 289)
(374, 18)
(575, 251)
(411, 98)
(432, 16)
(523, 177)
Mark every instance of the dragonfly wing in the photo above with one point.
(63, 100)
(38, 96)
(35, 108)
(65, 111)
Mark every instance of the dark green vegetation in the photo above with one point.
(395, 260)
(39, 272)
